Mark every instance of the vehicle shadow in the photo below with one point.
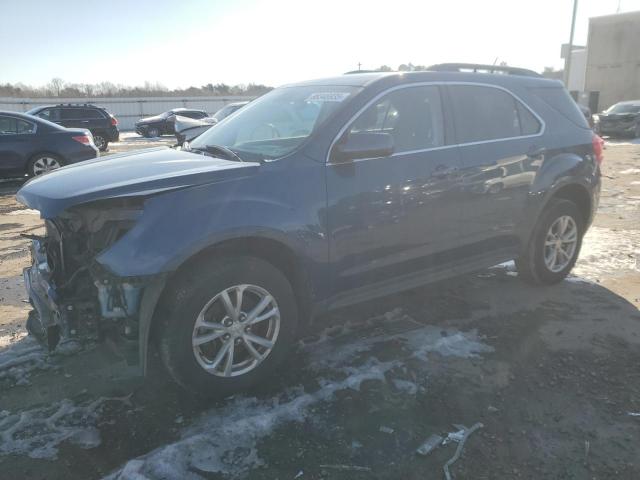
(509, 314)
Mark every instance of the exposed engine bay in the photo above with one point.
(73, 295)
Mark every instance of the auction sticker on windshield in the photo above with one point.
(327, 97)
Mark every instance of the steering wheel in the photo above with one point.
(274, 131)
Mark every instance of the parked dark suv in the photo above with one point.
(163, 124)
(314, 196)
(102, 125)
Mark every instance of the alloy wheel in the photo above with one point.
(236, 330)
(98, 141)
(560, 243)
(45, 164)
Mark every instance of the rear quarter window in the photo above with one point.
(559, 100)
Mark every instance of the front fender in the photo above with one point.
(177, 225)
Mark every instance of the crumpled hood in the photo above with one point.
(156, 118)
(144, 172)
(185, 123)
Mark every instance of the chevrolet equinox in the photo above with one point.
(314, 196)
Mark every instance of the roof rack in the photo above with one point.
(479, 68)
(75, 105)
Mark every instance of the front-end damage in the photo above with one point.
(74, 296)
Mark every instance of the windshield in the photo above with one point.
(277, 123)
(624, 108)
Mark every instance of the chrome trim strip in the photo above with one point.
(422, 84)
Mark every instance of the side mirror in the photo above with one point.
(362, 145)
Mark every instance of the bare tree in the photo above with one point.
(56, 85)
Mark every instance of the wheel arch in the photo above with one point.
(578, 194)
(272, 251)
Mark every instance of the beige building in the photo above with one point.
(613, 59)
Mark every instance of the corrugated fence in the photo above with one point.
(126, 109)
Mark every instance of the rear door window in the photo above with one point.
(412, 116)
(51, 114)
(70, 114)
(486, 113)
(13, 126)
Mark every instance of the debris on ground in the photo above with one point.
(461, 439)
(346, 468)
(299, 474)
(388, 430)
(633, 414)
(430, 444)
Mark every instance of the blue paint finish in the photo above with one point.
(370, 226)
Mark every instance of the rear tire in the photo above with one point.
(214, 345)
(554, 245)
(100, 142)
(42, 163)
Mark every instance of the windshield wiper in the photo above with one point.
(225, 151)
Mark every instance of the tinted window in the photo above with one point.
(529, 125)
(412, 116)
(193, 114)
(51, 114)
(485, 113)
(12, 126)
(81, 114)
(91, 114)
(70, 114)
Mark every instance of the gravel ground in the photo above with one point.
(551, 373)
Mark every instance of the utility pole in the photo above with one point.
(359, 65)
(570, 49)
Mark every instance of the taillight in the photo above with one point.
(114, 121)
(84, 139)
(598, 148)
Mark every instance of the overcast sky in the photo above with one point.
(193, 42)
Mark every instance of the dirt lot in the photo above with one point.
(551, 373)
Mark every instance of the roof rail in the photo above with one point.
(479, 68)
(75, 105)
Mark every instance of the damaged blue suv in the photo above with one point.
(315, 196)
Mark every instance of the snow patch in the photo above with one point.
(224, 440)
(38, 433)
(21, 355)
(24, 211)
(608, 252)
(629, 171)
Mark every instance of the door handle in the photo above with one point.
(443, 171)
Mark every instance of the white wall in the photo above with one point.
(126, 109)
(578, 71)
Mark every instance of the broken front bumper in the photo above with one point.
(123, 306)
(51, 321)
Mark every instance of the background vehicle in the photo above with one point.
(29, 145)
(316, 196)
(622, 119)
(163, 124)
(102, 125)
(188, 128)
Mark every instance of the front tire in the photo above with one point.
(227, 325)
(554, 245)
(153, 132)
